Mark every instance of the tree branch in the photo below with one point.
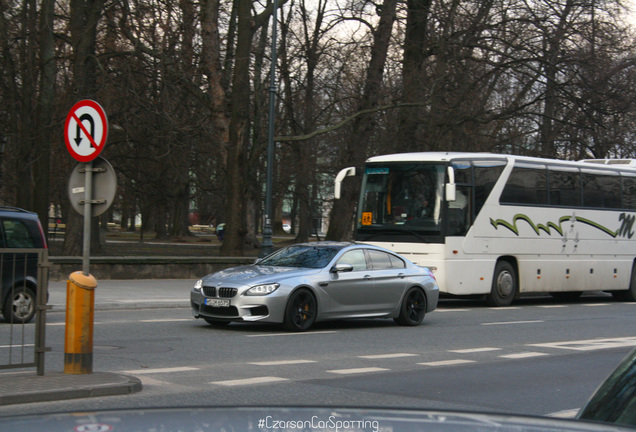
(344, 122)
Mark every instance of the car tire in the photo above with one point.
(301, 310)
(413, 308)
(504, 285)
(19, 306)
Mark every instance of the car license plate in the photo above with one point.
(217, 302)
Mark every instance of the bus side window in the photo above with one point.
(486, 175)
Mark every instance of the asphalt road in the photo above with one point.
(540, 357)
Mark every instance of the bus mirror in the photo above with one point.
(451, 192)
(347, 172)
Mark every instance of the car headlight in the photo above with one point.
(198, 285)
(262, 290)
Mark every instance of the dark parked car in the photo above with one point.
(19, 229)
(304, 283)
(615, 399)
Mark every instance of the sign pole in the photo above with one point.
(85, 133)
(88, 197)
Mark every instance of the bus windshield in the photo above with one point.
(401, 198)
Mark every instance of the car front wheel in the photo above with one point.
(19, 307)
(301, 310)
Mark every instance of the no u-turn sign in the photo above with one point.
(86, 130)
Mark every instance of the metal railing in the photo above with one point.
(24, 273)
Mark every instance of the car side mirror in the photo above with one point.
(258, 260)
(341, 268)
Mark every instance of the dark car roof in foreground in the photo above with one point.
(292, 419)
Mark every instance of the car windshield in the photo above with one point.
(301, 256)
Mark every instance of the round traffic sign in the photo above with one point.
(86, 130)
(104, 186)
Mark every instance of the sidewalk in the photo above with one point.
(129, 294)
(26, 387)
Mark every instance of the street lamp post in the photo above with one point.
(267, 245)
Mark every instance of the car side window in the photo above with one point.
(17, 234)
(397, 262)
(380, 260)
(356, 258)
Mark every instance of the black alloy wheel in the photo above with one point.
(301, 310)
(413, 308)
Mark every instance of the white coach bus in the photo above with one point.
(504, 225)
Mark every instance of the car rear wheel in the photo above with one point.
(413, 308)
(301, 311)
(19, 307)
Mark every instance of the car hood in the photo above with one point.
(250, 274)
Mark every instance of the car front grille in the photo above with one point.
(227, 292)
(224, 292)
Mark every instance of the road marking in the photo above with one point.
(505, 308)
(595, 304)
(447, 362)
(249, 381)
(165, 320)
(164, 300)
(592, 344)
(292, 334)
(523, 355)
(160, 370)
(387, 356)
(474, 350)
(281, 362)
(452, 310)
(357, 370)
(511, 322)
(552, 306)
(565, 414)
(17, 346)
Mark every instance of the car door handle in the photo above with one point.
(401, 275)
(368, 277)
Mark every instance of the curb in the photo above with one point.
(28, 388)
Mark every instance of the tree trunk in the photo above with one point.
(85, 15)
(48, 70)
(340, 226)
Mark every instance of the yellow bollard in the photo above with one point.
(78, 344)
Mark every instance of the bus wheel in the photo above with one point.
(630, 294)
(504, 285)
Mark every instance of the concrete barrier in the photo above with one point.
(140, 267)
